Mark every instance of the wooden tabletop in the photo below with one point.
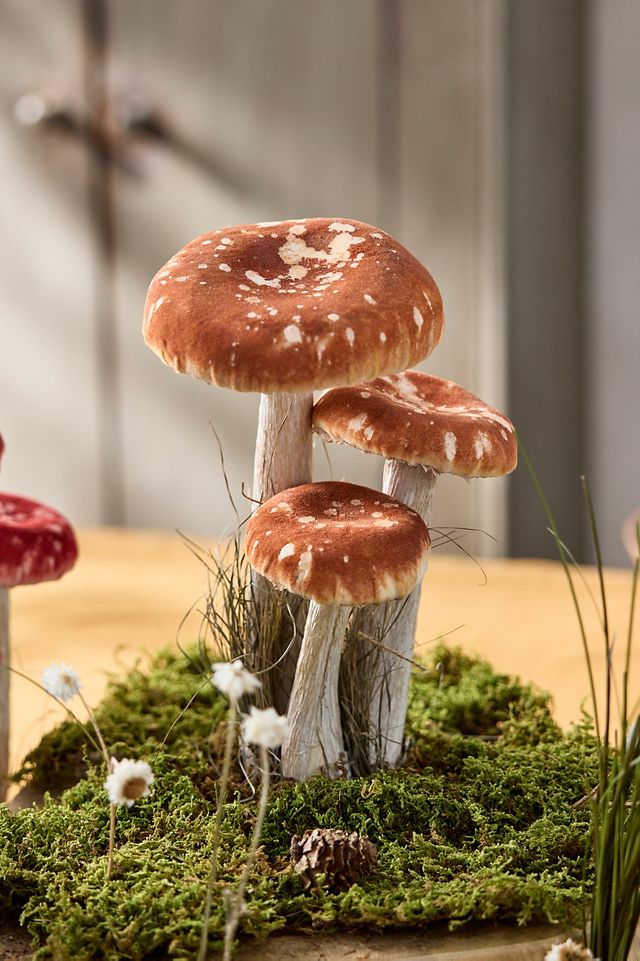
(130, 591)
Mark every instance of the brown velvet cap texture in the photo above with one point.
(420, 419)
(292, 306)
(338, 543)
(36, 542)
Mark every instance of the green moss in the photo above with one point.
(480, 824)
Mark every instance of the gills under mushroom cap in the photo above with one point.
(292, 306)
(338, 543)
(36, 542)
(420, 419)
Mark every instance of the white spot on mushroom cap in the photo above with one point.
(383, 337)
(333, 316)
(306, 520)
(297, 272)
(287, 551)
(225, 267)
(450, 445)
(369, 299)
(346, 558)
(261, 281)
(417, 316)
(357, 423)
(482, 444)
(428, 300)
(350, 335)
(292, 334)
(337, 226)
(304, 565)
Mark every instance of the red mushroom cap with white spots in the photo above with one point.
(36, 542)
(420, 419)
(338, 543)
(292, 306)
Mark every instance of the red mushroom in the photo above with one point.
(36, 544)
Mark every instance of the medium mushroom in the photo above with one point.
(423, 426)
(36, 544)
(285, 308)
(340, 545)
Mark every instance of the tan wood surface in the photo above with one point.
(130, 590)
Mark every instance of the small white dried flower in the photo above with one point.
(264, 727)
(569, 950)
(129, 780)
(233, 679)
(61, 681)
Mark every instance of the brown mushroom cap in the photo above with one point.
(338, 543)
(292, 306)
(420, 419)
(36, 542)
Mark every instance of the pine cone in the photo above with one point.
(341, 857)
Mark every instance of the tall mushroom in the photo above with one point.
(340, 545)
(423, 426)
(285, 308)
(36, 544)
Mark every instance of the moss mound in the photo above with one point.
(479, 824)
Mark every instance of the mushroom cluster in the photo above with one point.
(287, 308)
(36, 544)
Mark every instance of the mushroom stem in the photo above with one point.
(283, 459)
(4, 692)
(413, 486)
(314, 743)
(283, 456)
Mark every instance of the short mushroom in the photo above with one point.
(36, 544)
(423, 426)
(340, 545)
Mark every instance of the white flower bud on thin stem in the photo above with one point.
(264, 727)
(61, 681)
(569, 950)
(233, 679)
(237, 900)
(222, 799)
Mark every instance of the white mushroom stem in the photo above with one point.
(4, 691)
(314, 743)
(413, 486)
(283, 459)
(283, 456)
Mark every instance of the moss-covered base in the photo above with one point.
(480, 824)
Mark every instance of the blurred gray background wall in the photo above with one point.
(497, 140)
